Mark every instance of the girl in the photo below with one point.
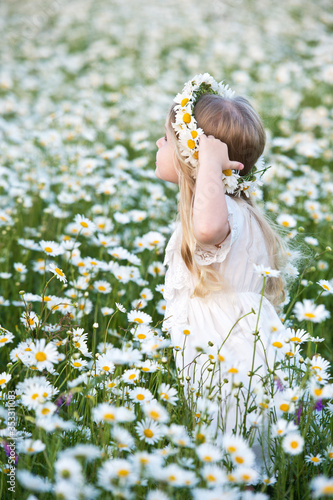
(223, 254)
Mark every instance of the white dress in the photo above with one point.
(212, 319)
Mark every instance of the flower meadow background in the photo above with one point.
(91, 403)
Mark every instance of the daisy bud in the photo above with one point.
(301, 229)
(328, 249)
(164, 360)
(95, 325)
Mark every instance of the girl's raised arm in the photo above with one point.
(210, 213)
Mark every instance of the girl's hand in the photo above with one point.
(214, 151)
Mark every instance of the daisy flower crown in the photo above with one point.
(188, 132)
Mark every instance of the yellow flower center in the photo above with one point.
(4, 339)
(227, 172)
(83, 224)
(186, 332)
(108, 416)
(295, 339)
(207, 458)
(186, 118)
(35, 396)
(233, 370)
(231, 449)
(2, 381)
(327, 489)
(315, 459)
(191, 144)
(210, 477)
(318, 392)
(40, 356)
(294, 444)
(76, 364)
(285, 223)
(45, 411)
(59, 271)
(277, 344)
(132, 376)
(194, 134)
(106, 368)
(310, 315)
(101, 288)
(123, 472)
(284, 407)
(148, 433)
(154, 414)
(30, 450)
(138, 320)
(141, 336)
(48, 249)
(183, 102)
(140, 397)
(239, 460)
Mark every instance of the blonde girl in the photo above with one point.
(222, 251)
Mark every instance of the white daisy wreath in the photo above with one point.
(188, 132)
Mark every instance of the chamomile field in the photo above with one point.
(91, 403)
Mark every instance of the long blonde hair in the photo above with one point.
(235, 122)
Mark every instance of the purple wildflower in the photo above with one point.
(279, 384)
(68, 399)
(299, 413)
(319, 405)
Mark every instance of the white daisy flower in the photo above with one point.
(309, 311)
(42, 355)
(266, 271)
(138, 317)
(57, 272)
(84, 224)
(322, 486)
(4, 378)
(51, 248)
(140, 395)
(149, 431)
(102, 286)
(293, 443)
(30, 446)
(155, 411)
(286, 220)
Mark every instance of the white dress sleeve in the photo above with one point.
(209, 254)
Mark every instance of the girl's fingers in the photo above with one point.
(235, 165)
